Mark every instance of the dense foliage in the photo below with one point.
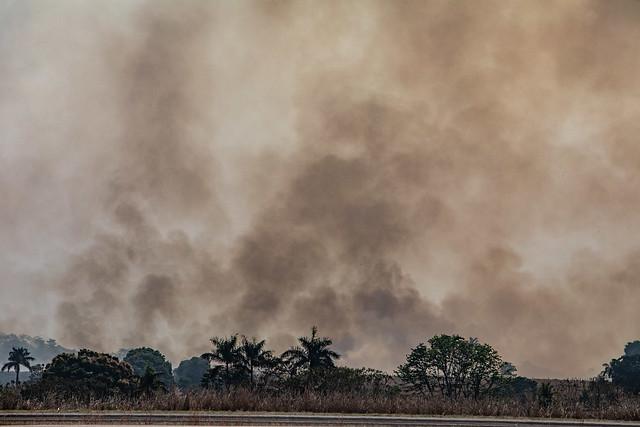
(452, 366)
(149, 382)
(86, 373)
(143, 358)
(247, 363)
(189, 373)
(625, 370)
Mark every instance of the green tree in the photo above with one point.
(313, 355)
(454, 366)
(418, 372)
(144, 357)
(19, 356)
(253, 356)
(189, 372)
(485, 368)
(225, 351)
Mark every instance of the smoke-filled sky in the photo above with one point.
(170, 171)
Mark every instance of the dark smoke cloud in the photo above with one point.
(171, 171)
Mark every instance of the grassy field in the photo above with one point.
(569, 399)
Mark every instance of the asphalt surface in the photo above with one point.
(265, 419)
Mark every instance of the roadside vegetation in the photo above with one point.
(446, 375)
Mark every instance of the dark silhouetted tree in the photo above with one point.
(253, 356)
(625, 370)
(150, 382)
(213, 378)
(189, 372)
(88, 374)
(144, 357)
(18, 357)
(313, 355)
(225, 351)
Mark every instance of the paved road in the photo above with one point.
(255, 419)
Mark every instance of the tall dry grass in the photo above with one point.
(570, 400)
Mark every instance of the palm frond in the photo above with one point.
(8, 366)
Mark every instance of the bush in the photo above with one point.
(361, 381)
(9, 397)
(516, 387)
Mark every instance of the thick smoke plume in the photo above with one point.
(171, 171)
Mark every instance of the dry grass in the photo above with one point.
(570, 401)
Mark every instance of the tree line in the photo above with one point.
(449, 366)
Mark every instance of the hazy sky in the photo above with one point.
(170, 171)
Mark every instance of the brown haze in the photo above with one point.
(171, 171)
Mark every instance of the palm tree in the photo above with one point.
(17, 357)
(225, 350)
(253, 355)
(313, 352)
